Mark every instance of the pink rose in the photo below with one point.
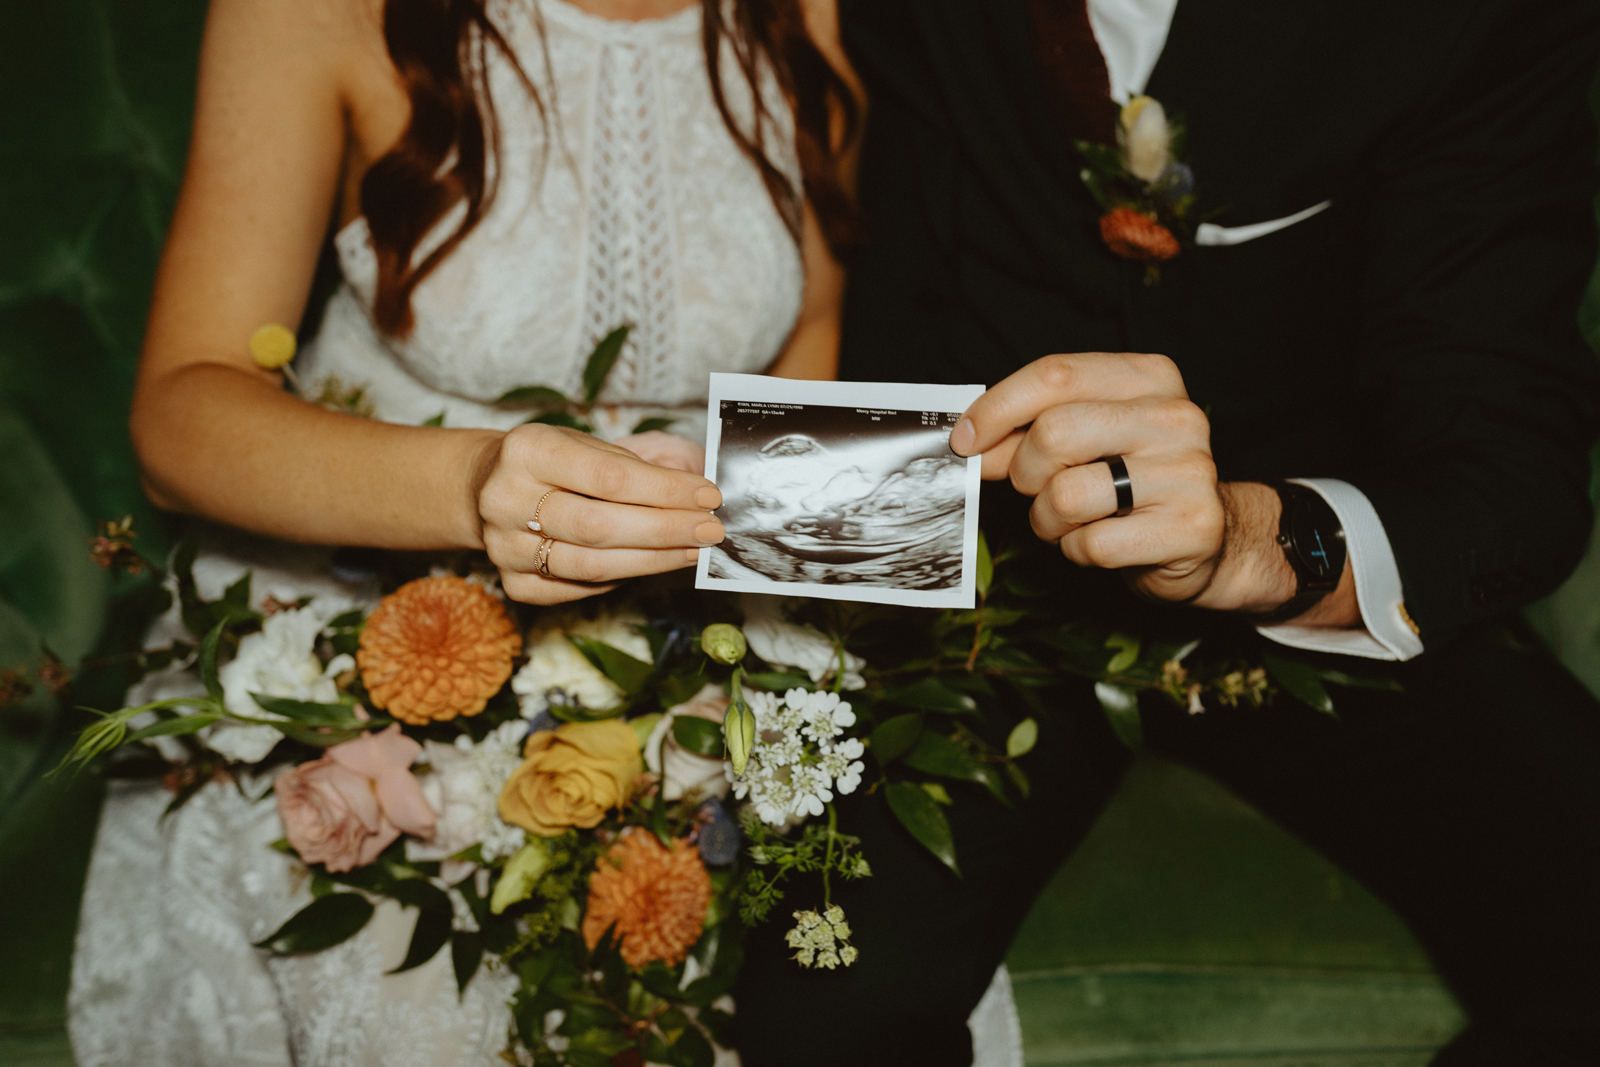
(681, 770)
(344, 809)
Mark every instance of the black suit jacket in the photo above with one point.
(1418, 339)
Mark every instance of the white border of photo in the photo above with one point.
(898, 396)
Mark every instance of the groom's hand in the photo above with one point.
(1188, 537)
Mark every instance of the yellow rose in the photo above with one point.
(572, 776)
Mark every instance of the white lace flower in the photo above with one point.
(276, 661)
(784, 644)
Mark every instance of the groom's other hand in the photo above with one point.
(1189, 537)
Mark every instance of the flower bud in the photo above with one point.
(1146, 139)
(271, 346)
(739, 732)
(724, 643)
(521, 874)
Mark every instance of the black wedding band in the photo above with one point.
(1121, 482)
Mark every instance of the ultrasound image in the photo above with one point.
(840, 496)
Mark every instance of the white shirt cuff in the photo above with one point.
(1388, 633)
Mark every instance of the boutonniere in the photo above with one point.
(1147, 193)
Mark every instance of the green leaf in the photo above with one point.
(427, 937)
(985, 569)
(309, 713)
(208, 661)
(561, 418)
(652, 424)
(1363, 681)
(937, 792)
(894, 737)
(628, 673)
(466, 955)
(691, 1050)
(930, 694)
(323, 923)
(779, 681)
(537, 395)
(1019, 779)
(1023, 737)
(437, 420)
(601, 1041)
(1127, 655)
(677, 689)
(237, 595)
(700, 736)
(324, 736)
(919, 813)
(604, 357)
(179, 727)
(1121, 705)
(1302, 680)
(937, 754)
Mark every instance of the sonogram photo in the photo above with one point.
(853, 501)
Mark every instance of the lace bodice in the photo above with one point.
(629, 203)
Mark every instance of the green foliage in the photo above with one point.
(601, 360)
(325, 922)
(817, 848)
(1121, 705)
(894, 737)
(700, 736)
(628, 673)
(919, 813)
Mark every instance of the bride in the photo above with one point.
(512, 180)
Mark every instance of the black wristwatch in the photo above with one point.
(1312, 540)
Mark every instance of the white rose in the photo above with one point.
(1146, 138)
(277, 661)
(554, 663)
(455, 790)
(782, 643)
(682, 771)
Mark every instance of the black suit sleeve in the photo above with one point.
(1484, 393)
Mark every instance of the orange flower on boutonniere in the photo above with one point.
(436, 648)
(1147, 194)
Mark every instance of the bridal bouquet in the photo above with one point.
(603, 803)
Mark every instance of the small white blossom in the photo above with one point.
(822, 940)
(463, 788)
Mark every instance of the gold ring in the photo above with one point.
(545, 545)
(533, 523)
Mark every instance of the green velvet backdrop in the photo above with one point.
(1188, 928)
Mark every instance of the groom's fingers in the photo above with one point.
(1072, 377)
(1071, 435)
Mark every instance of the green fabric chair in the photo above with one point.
(1187, 929)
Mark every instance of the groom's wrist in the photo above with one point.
(1252, 574)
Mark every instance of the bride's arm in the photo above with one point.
(289, 91)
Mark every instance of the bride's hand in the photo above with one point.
(665, 450)
(611, 515)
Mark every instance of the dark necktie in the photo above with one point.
(1075, 78)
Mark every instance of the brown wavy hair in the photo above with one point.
(444, 158)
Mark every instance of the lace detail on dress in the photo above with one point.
(630, 267)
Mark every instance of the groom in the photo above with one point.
(1381, 305)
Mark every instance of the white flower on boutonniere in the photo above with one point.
(681, 770)
(1146, 138)
(276, 661)
(785, 644)
(557, 673)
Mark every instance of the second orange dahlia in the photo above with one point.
(436, 648)
(655, 896)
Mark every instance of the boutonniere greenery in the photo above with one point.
(1146, 192)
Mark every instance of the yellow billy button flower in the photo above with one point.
(272, 346)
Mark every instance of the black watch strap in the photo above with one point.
(1312, 539)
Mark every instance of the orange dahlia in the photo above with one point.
(655, 896)
(1134, 235)
(436, 648)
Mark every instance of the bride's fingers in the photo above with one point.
(575, 563)
(572, 460)
(601, 524)
(537, 589)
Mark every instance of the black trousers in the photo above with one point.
(1470, 803)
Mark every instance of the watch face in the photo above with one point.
(1320, 550)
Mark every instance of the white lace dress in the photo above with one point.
(629, 204)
